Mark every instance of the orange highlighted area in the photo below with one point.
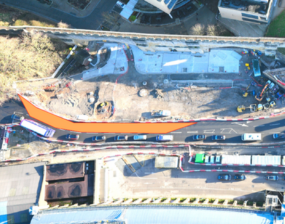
(61, 123)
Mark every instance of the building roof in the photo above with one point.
(19, 189)
(164, 5)
(64, 171)
(153, 215)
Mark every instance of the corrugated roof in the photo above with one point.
(153, 215)
(64, 171)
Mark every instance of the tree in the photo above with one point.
(198, 29)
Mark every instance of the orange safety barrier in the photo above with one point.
(61, 123)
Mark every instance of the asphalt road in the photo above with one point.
(91, 21)
(232, 130)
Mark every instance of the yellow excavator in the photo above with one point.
(254, 107)
(260, 96)
(242, 108)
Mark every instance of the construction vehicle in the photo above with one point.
(245, 93)
(260, 96)
(242, 108)
(161, 113)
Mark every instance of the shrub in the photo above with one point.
(192, 199)
(133, 18)
(221, 201)
(182, 199)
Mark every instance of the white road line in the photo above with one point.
(209, 131)
(192, 131)
(176, 132)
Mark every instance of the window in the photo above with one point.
(254, 21)
(249, 16)
(263, 18)
(171, 4)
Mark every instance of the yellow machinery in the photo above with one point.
(245, 93)
(260, 96)
(242, 108)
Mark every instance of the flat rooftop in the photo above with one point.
(255, 6)
(64, 171)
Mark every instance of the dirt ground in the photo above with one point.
(183, 102)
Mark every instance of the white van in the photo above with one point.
(251, 137)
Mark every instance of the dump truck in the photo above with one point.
(160, 113)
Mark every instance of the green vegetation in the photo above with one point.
(144, 199)
(221, 201)
(202, 200)
(133, 18)
(192, 199)
(281, 50)
(182, 200)
(277, 26)
(259, 203)
(163, 199)
(134, 199)
(211, 200)
(250, 203)
(230, 202)
(240, 202)
(173, 199)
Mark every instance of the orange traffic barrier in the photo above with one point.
(61, 123)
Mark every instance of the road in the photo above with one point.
(92, 21)
(232, 130)
(150, 182)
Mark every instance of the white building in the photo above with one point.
(164, 5)
(252, 11)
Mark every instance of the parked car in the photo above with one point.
(98, 138)
(164, 138)
(218, 137)
(140, 137)
(199, 137)
(122, 5)
(121, 138)
(272, 177)
(278, 135)
(239, 177)
(226, 177)
(72, 137)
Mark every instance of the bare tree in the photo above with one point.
(213, 30)
(63, 25)
(198, 29)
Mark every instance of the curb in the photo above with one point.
(102, 148)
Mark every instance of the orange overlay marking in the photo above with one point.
(61, 123)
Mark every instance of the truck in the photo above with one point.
(160, 113)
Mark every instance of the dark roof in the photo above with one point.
(70, 189)
(65, 171)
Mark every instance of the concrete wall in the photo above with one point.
(157, 42)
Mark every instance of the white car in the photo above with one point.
(139, 137)
(164, 138)
(122, 5)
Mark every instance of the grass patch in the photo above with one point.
(144, 199)
(28, 19)
(231, 202)
(211, 200)
(201, 200)
(240, 202)
(221, 201)
(192, 199)
(182, 200)
(277, 27)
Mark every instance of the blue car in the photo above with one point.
(218, 137)
(239, 177)
(278, 135)
(226, 177)
(199, 137)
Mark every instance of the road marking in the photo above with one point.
(176, 132)
(192, 131)
(238, 123)
(274, 124)
(227, 130)
(210, 131)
